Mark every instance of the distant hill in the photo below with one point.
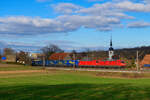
(128, 53)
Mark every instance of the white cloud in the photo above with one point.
(106, 9)
(138, 24)
(115, 9)
(95, 22)
(102, 17)
(147, 1)
(67, 23)
(27, 25)
(136, 7)
(66, 8)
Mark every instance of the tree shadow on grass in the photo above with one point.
(75, 92)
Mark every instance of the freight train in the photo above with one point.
(80, 63)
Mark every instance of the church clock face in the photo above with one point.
(111, 53)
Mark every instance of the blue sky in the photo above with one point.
(74, 24)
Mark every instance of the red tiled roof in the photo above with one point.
(59, 56)
(146, 59)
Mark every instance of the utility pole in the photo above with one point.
(74, 58)
(87, 57)
(43, 61)
(92, 56)
(137, 60)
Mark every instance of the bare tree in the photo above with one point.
(87, 50)
(74, 51)
(73, 54)
(50, 49)
(24, 57)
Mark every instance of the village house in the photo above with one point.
(10, 58)
(146, 61)
(60, 56)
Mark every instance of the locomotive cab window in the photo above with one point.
(122, 62)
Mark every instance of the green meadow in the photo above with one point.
(69, 85)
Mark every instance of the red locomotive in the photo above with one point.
(100, 63)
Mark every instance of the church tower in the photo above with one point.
(111, 50)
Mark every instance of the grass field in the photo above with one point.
(69, 85)
(13, 67)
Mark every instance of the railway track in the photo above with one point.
(94, 69)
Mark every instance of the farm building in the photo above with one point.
(70, 56)
(60, 56)
(10, 58)
(146, 60)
